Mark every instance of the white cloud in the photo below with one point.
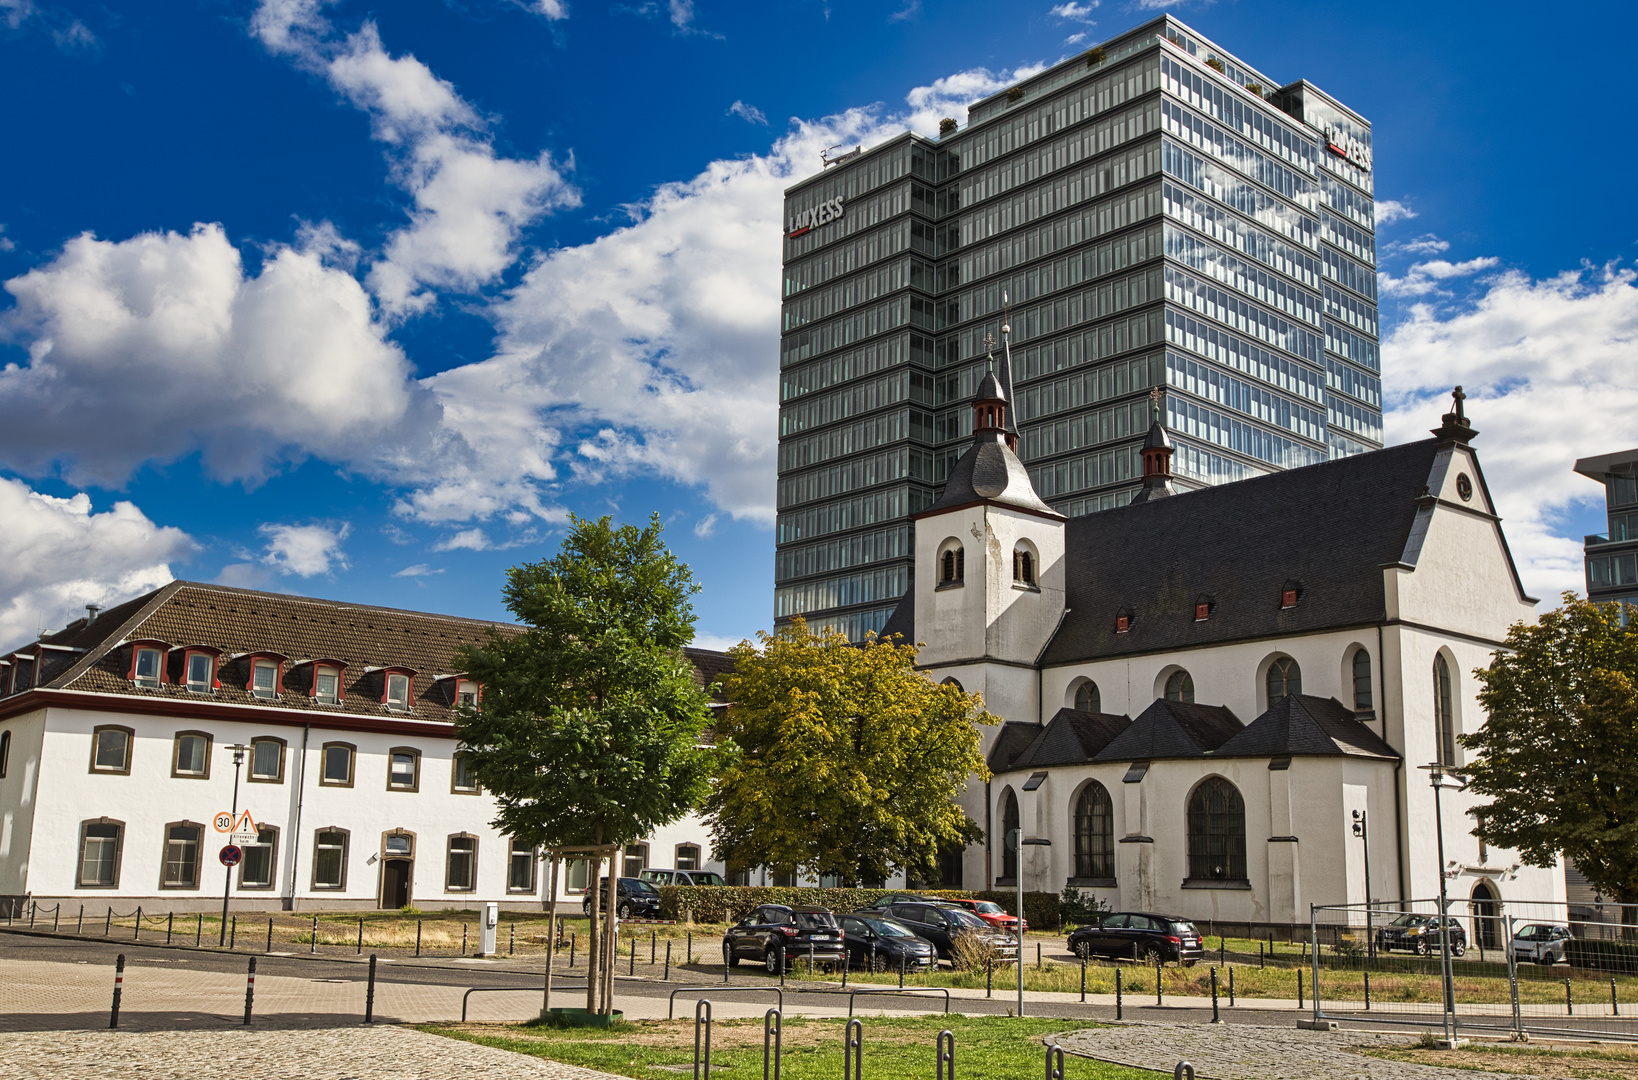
(1074, 39)
(466, 540)
(1426, 244)
(706, 526)
(1547, 368)
(1074, 11)
(682, 13)
(908, 11)
(6, 243)
(305, 550)
(418, 570)
(57, 555)
(748, 112)
(1424, 277)
(1389, 211)
(715, 642)
(552, 9)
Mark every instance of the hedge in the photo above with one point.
(1616, 956)
(726, 903)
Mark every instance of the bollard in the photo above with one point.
(79, 924)
(233, 933)
(1054, 1063)
(1222, 951)
(901, 971)
(1367, 991)
(1215, 1018)
(847, 965)
(1158, 965)
(312, 942)
(33, 905)
(633, 969)
(725, 963)
(773, 1043)
(512, 941)
(108, 923)
(1299, 988)
(1037, 956)
(169, 919)
(361, 937)
(690, 959)
(1184, 1071)
(418, 938)
(369, 994)
(668, 961)
(198, 929)
(463, 940)
(853, 1051)
(250, 988)
(810, 958)
(702, 1026)
(1615, 1006)
(56, 913)
(989, 975)
(269, 936)
(572, 937)
(653, 939)
(1118, 1008)
(1259, 954)
(119, 979)
(945, 1069)
(1569, 1005)
(1083, 980)
(136, 931)
(1231, 988)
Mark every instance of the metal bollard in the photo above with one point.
(250, 988)
(369, 994)
(33, 905)
(79, 924)
(1222, 951)
(1159, 999)
(1367, 991)
(1184, 1071)
(56, 913)
(847, 965)
(512, 941)
(312, 942)
(773, 1040)
(901, 971)
(136, 932)
(418, 938)
(1118, 1009)
(1569, 1005)
(946, 1055)
(360, 936)
(269, 936)
(572, 937)
(668, 961)
(169, 920)
(1083, 980)
(725, 962)
(108, 923)
(989, 975)
(1054, 1062)
(1299, 988)
(810, 958)
(853, 1051)
(463, 940)
(1231, 988)
(198, 929)
(1215, 1017)
(1259, 954)
(1615, 1006)
(233, 934)
(119, 980)
(653, 944)
(633, 969)
(1037, 956)
(690, 959)
(702, 1037)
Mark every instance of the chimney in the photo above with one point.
(91, 613)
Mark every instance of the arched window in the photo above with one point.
(1023, 566)
(951, 681)
(1180, 687)
(1087, 699)
(952, 565)
(1443, 712)
(1284, 679)
(1217, 832)
(1094, 833)
(1009, 822)
(1362, 680)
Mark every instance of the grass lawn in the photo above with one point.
(1599, 1062)
(994, 1047)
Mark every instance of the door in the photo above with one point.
(1485, 921)
(395, 883)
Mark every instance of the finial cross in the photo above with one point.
(1459, 397)
(989, 343)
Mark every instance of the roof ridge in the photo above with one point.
(156, 600)
(341, 604)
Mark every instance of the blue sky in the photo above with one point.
(360, 301)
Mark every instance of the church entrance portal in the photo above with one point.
(1486, 916)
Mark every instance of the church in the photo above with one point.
(1220, 703)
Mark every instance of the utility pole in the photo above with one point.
(1017, 841)
(227, 871)
(1362, 830)
(1437, 772)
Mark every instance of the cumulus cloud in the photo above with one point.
(552, 9)
(57, 555)
(465, 540)
(418, 570)
(1546, 365)
(1075, 12)
(1426, 244)
(749, 113)
(1424, 277)
(681, 12)
(706, 527)
(305, 550)
(470, 206)
(1389, 211)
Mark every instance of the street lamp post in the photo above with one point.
(227, 871)
(1017, 841)
(1362, 830)
(1436, 773)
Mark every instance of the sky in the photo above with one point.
(362, 302)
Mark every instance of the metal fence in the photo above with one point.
(1521, 967)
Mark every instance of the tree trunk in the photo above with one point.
(594, 864)
(610, 936)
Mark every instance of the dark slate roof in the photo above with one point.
(710, 666)
(1012, 740)
(1329, 528)
(1302, 725)
(903, 619)
(1172, 729)
(990, 472)
(1071, 737)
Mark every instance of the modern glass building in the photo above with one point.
(1157, 213)
(1612, 557)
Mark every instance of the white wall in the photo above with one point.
(18, 797)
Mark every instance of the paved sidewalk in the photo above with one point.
(1247, 1052)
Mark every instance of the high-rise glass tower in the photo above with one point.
(1151, 213)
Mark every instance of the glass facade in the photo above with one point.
(1163, 216)
(1612, 555)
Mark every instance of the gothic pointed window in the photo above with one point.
(1087, 698)
(1362, 680)
(1180, 687)
(1217, 832)
(1444, 714)
(1009, 822)
(1284, 679)
(1094, 833)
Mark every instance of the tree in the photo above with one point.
(1558, 756)
(848, 759)
(588, 731)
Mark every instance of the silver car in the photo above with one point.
(1540, 943)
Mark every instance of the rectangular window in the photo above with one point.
(1623, 490)
(111, 750)
(199, 673)
(575, 872)
(267, 760)
(466, 776)
(5, 753)
(99, 855)
(466, 693)
(1624, 569)
(463, 863)
(181, 857)
(405, 770)
(338, 765)
(520, 872)
(264, 679)
(636, 858)
(145, 672)
(327, 686)
(688, 857)
(192, 755)
(1598, 572)
(330, 860)
(398, 692)
(256, 871)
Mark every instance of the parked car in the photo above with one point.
(776, 933)
(682, 877)
(634, 898)
(990, 912)
(882, 903)
(1140, 935)
(882, 944)
(1540, 943)
(1420, 934)
(942, 924)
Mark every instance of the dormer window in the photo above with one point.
(147, 666)
(327, 686)
(199, 672)
(466, 693)
(264, 679)
(1123, 623)
(1288, 598)
(397, 696)
(1202, 611)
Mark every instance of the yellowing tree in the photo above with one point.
(849, 760)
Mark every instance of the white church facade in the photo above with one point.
(1203, 692)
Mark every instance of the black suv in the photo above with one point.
(634, 898)
(1420, 934)
(943, 924)
(1140, 935)
(775, 934)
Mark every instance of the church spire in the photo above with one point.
(1005, 377)
(990, 402)
(1157, 456)
(1454, 425)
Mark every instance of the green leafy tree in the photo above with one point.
(849, 760)
(590, 723)
(1558, 756)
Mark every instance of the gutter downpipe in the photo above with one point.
(295, 828)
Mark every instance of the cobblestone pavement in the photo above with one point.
(1247, 1052)
(383, 1053)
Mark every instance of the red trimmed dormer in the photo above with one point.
(147, 666)
(398, 688)
(201, 668)
(264, 677)
(327, 683)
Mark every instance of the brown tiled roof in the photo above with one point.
(242, 622)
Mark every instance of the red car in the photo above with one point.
(990, 912)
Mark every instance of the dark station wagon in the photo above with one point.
(1140, 935)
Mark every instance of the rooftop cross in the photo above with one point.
(1458, 397)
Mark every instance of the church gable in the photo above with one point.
(1301, 725)
(1172, 729)
(1072, 737)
